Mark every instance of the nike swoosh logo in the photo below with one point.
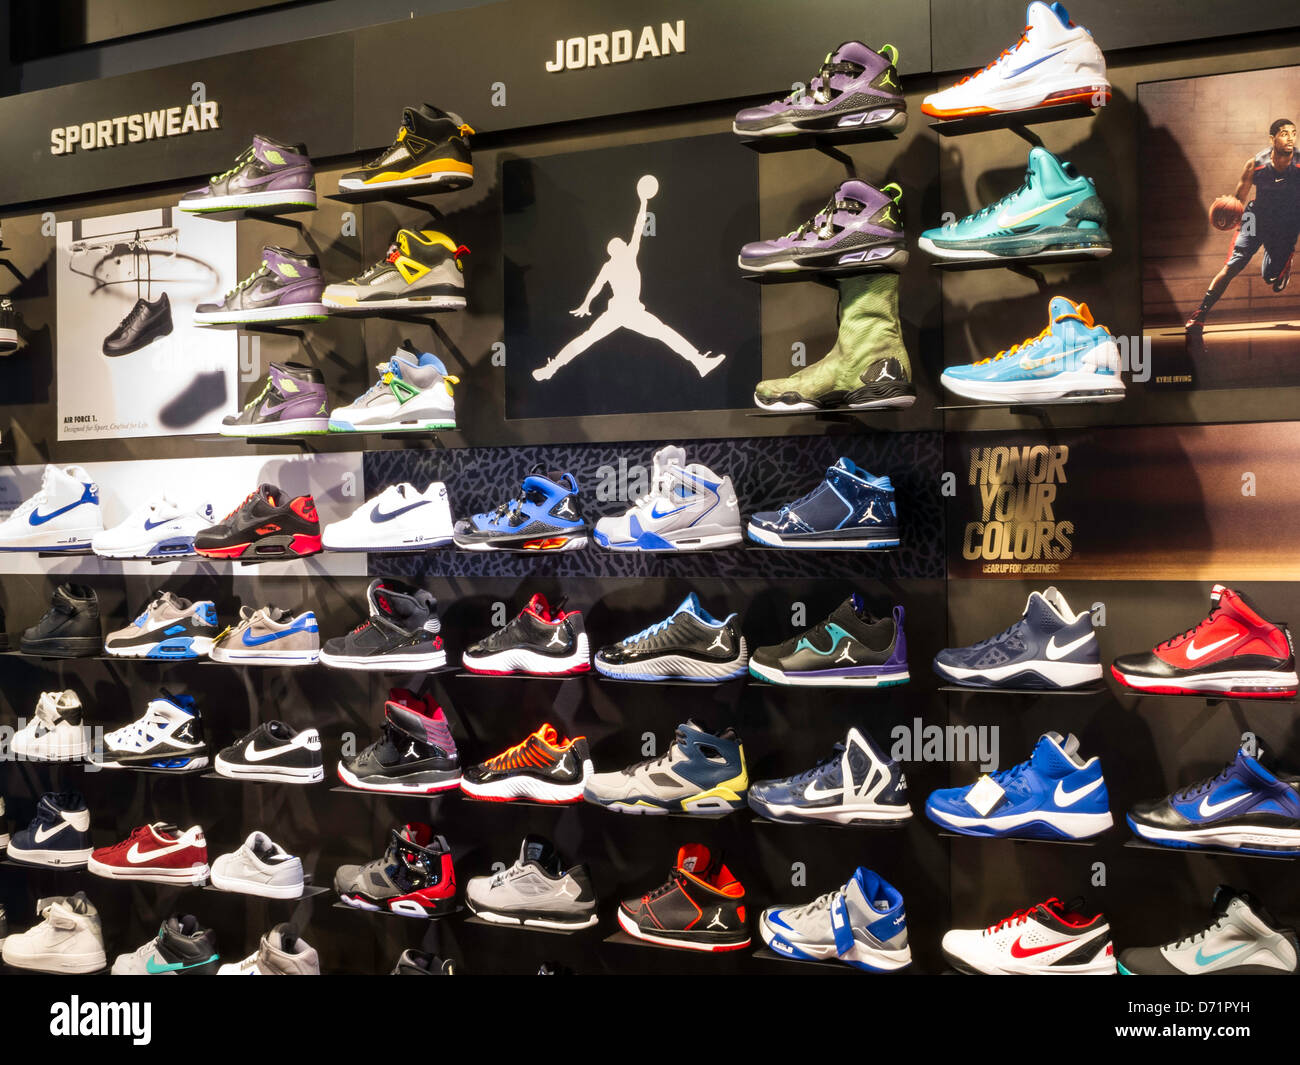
(812, 791)
(1069, 798)
(156, 968)
(1202, 959)
(1194, 652)
(256, 641)
(37, 518)
(655, 513)
(43, 833)
(1209, 809)
(1056, 652)
(1006, 221)
(254, 755)
(1017, 951)
(151, 525)
(379, 515)
(136, 857)
(1030, 66)
(1026, 363)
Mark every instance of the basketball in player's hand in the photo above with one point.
(1226, 212)
(647, 186)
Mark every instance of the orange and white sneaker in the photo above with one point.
(1054, 62)
(1052, 938)
(543, 768)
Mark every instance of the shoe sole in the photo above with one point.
(858, 956)
(397, 787)
(58, 859)
(61, 962)
(1245, 685)
(432, 304)
(976, 254)
(399, 907)
(415, 425)
(250, 201)
(895, 122)
(292, 312)
(829, 263)
(528, 788)
(264, 891)
(1251, 839)
(1051, 675)
(1074, 385)
(197, 874)
(1071, 94)
(705, 804)
(531, 663)
(264, 658)
(1054, 825)
(630, 927)
(495, 917)
(64, 647)
(678, 667)
(863, 543)
(869, 816)
(304, 426)
(268, 774)
(176, 547)
(441, 180)
(177, 647)
(541, 545)
(828, 679)
(397, 663)
(301, 546)
(672, 543)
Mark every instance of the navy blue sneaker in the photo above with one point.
(1245, 808)
(545, 517)
(700, 773)
(850, 510)
(59, 833)
(1054, 795)
(1049, 647)
(851, 648)
(858, 784)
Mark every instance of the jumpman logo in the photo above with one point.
(870, 514)
(844, 655)
(555, 640)
(717, 642)
(624, 309)
(884, 374)
(716, 922)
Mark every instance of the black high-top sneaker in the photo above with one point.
(70, 628)
(8, 327)
(538, 640)
(141, 327)
(401, 632)
(431, 150)
(700, 907)
(415, 753)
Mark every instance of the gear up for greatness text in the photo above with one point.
(1017, 487)
(130, 129)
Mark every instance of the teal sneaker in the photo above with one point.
(1073, 360)
(1055, 214)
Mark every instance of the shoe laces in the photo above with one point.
(819, 86)
(264, 269)
(1004, 54)
(1212, 617)
(514, 757)
(661, 489)
(1022, 916)
(1198, 937)
(818, 905)
(245, 157)
(1004, 634)
(137, 314)
(144, 731)
(997, 205)
(663, 889)
(823, 222)
(828, 762)
(648, 631)
(247, 499)
(39, 499)
(1007, 352)
(1205, 784)
(260, 396)
(664, 759)
(1010, 778)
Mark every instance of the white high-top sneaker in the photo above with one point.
(68, 939)
(63, 516)
(413, 392)
(55, 732)
(400, 518)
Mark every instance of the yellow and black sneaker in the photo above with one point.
(431, 151)
(421, 272)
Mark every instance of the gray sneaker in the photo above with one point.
(269, 636)
(422, 271)
(260, 867)
(536, 891)
(281, 953)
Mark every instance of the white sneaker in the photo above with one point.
(281, 953)
(55, 732)
(68, 939)
(260, 867)
(169, 736)
(1051, 938)
(688, 508)
(413, 393)
(1054, 62)
(158, 529)
(63, 516)
(400, 518)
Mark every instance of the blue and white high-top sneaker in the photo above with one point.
(1073, 360)
(1049, 647)
(862, 923)
(59, 833)
(1054, 795)
(851, 509)
(545, 517)
(64, 515)
(858, 784)
(169, 736)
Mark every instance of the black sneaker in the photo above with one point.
(414, 963)
(183, 947)
(145, 324)
(690, 644)
(401, 632)
(431, 150)
(70, 628)
(8, 327)
(267, 525)
(415, 753)
(537, 641)
(274, 752)
(851, 648)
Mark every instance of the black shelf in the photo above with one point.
(828, 278)
(395, 314)
(868, 826)
(828, 141)
(406, 195)
(959, 689)
(841, 415)
(576, 804)
(623, 939)
(1016, 121)
(943, 834)
(309, 891)
(81, 552)
(668, 683)
(272, 214)
(1211, 698)
(212, 774)
(527, 927)
(404, 916)
(465, 674)
(343, 789)
(1213, 852)
(1025, 264)
(289, 327)
(1036, 408)
(754, 545)
(198, 659)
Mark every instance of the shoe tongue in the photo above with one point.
(402, 359)
(856, 52)
(695, 859)
(383, 600)
(1056, 753)
(536, 849)
(548, 734)
(408, 119)
(1057, 9)
(283, 938)
(672, 455)
(1059, 308)
(539, 606)
(690, 605)
(270, 493)
(859, 191)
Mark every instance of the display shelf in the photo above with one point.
(410, 315)
(623, 939)
(212, 774)
(404, 916)
(405, 195)
(754, 545)
(767, 954)
(827, 278)
(197, 660)
(15, 863)
(343, 789)
(863, 826)
(943, 834)
(1212, 852)
(864, 688)
(289, 327)
(274, 215)
(960, 689)
(1037, 409)
(81, 552)
(835, 414)
(1210, 698)
(605, 679)
(1015, 121)
(395, 671)
(99, 767)
(309, 891)
(1024, 264)
(476, 920)
(465, 674)
(576, 804)
(826, 141)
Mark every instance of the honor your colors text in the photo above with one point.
(1017, 488)
(601, 49)
(121, 1019)
(130, 129)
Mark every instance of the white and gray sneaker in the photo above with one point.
(269, 636)
(260, 867)
(400, 518)
(536, 892)
(69, 938)
(281, 953)
(55, 732)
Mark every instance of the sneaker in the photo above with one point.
(1049, 648)
(55, 732)
(414, 878)
(69, 629)
(268, 176)
(1246, 808)
(702, 772)
(431, 151)
(538, 641)
(415, 753)
(852, 648)
(545, 517)
(1243, 939)
(169, 627)
(857, 88)
(1055, 795)
(69, 938)
(269, 636)
(413, 393)
(1054, 62)
(1235, 652)
(1055, 214)
(145, 322)
(4, 826)
(421, 271)
(159, 853)
(274, 752)
(286, 287)
(169, 737)
(59, 834)
(158, 529)
(861, 227)
(1051, 939)
(292, 402)
(688, 508)
(282, 952)
(8, 326)
(543, 768)
(857, 784)
(260, 867)
(4, 927)
(400, 518)
(536, 892)
(421, 963)
(183, 947)
(401, 632)
(1073, 359)
(700, 907)
(63, 516)
(849, 510)
(690, 644)
(861, 924)
(269, 524)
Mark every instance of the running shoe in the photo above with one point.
(292, 402)
(269, 524)
(168, 737)
(68, 939)
(182, 947)
(421, 271)
(59, 834)
(852, 648)
(401, 632)
(536, 892)
(147, 321)
(69, 629)
(414, 878)
(63, 515)
(701, 906)
(545, 517)
(260, 867)
(269, 175)
(400, 518)
(538, 641)
(158, 529)
(274, 752)
(413, 394)
(169, 627)
(1051, 939)
(414, 755)
(849, 510)
(269, 636)
(861, 227)
(286, 287)
(282, 952)
(55, 732)
(159, 853)
(545, 767)
(689, 644)
(430, 154)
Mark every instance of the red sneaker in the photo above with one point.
(700, 907)
(159, 852)
(414, 878)
(1235, 652)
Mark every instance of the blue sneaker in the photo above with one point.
(545, 517)
(1050, 647)
(1054, 795)
(701, 773)
(59, 833)
(850, 510)
(1074, 359)
(1245, 808)
(1056, 213)
(858, 784)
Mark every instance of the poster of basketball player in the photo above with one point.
(622, 292)
(1220, 203)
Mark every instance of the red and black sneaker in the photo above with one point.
(414, 878)
(267, 525)
(159, 853)
(700, 907)
(543, 768)
(541, 640)
(1235, 652)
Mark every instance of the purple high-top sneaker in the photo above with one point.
(267, 176)
(286, 287)
(293, 401)
(860, 228)
(855, 89)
